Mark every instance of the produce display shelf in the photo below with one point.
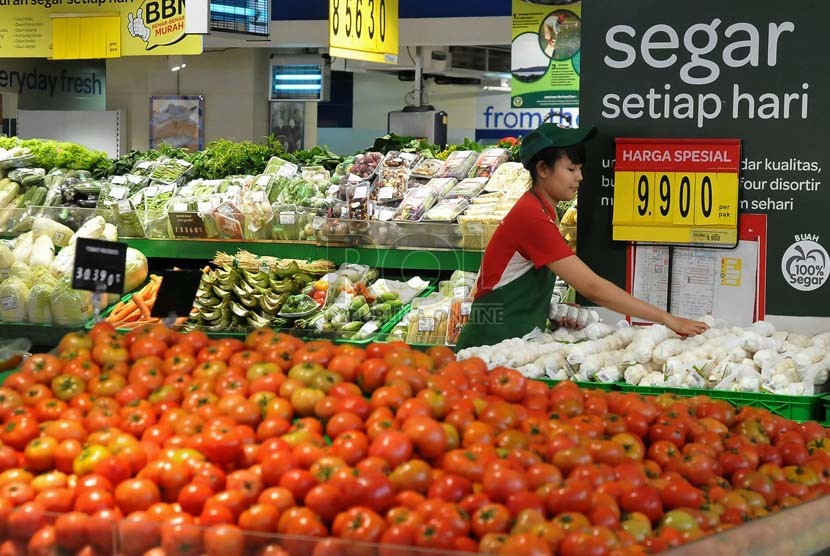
(46, 335)
(825, 413)
(796, 408)
(381, 257)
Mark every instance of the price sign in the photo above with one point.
(99, 266)
(364, 30)
(678, 191)
(176, 293)
(187, 224)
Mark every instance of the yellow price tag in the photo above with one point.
(676, 191)
(75, 38)
(364, 30)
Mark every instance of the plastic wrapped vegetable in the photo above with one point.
(458, 164)
(23, 247)
(14, 293)
(43, 253)
(136, 270)
(91, 229)
(21, 271)
(62, 265)
(70, 307)
(38, 304)
(6, 260)
(57, 232)
(488, 161)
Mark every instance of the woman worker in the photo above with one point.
(527, 252)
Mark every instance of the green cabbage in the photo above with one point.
(22, 272)
(70, 307)
(38, 305)
(136, 270)
(14, 293)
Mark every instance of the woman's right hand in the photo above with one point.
(685, 327)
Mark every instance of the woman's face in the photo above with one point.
(561, 181)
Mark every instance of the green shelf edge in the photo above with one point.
(379, 257)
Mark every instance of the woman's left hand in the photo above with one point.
(686, 327)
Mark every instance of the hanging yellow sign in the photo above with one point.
(364, 30)
(102, 29)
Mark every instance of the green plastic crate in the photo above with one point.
(825, 415)
(607, 387)
(796, 408)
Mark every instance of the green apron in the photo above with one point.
(510, 311)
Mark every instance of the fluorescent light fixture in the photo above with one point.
(295, 77)
(232, 10)
(176, 63)
(297, 87)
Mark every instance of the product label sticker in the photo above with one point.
(58, 237)
(118, 192)
(124, 207)
(118, 180)
(183, 163)
(204, 206)
(233, 190)
(151, 191)
(386, 214)
(180, 207)
(466, 308)
(360, 192)
(476, 227)
(426, 324)
(460, 291)
(9, 303)
(368, 328)
(287, 218)
(263, 180)
(386, 193)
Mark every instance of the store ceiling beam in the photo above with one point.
(451, 31)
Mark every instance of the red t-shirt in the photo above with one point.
(528, 238)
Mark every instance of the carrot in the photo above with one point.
(142, 305)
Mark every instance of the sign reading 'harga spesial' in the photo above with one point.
(708, 69)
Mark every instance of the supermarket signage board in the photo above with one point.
(67, 29)
(364, 30)
(677, 191)
(99, 266)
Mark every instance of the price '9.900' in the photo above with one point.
(684, 196)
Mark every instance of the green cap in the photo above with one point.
(551, 135)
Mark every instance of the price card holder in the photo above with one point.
(176, 293)
(99, 266)
(677, 191)
(187, 224)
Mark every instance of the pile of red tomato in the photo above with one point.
(157, 442)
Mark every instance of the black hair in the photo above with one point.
(575, 153)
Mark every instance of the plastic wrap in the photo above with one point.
(446, 210)
(416, 203)
(510, 177)
(457, 165)
(488, 162)
(468, 188)
(427, 168)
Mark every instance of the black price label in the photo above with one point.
(99, 266)
(187, 224)
(176, 293)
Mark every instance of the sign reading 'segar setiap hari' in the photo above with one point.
(67, 29)
(752, 71)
